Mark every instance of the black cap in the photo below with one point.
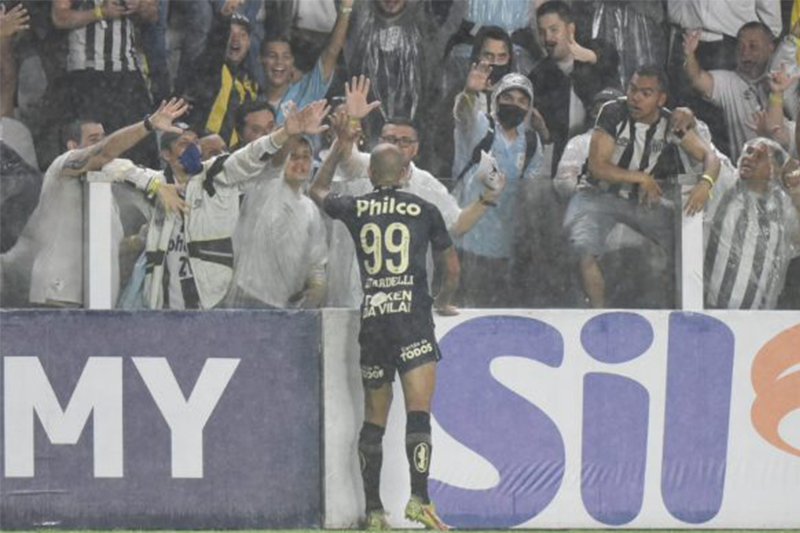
(607, 94)
(243, 21)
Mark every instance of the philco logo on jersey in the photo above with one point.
(386, 207)
(415, 350)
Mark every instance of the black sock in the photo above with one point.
(418, 451)
(370, 454)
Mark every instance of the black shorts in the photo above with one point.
(395, 348)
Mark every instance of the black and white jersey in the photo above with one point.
(750, 239)
(180, 291)
(105, 45)
(392, 230)
(639, 146)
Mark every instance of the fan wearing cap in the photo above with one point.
(189, 246)
(507, 136)
(221, 81)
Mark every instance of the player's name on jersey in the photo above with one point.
(386, 206)
(387, 303)
(389, 282)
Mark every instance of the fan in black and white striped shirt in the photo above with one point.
(104, 80)
(752, 231)
(626, 156)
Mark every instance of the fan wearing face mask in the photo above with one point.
(492, 45)
(508, 136)
(195, 209)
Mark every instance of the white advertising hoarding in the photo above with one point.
(582, 419)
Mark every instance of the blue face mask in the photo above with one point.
(190, 160)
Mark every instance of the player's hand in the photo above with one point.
(698, 197)
(355, 96)
(13, 21)
(681, 121)
(651, 191)
(478, 77)
(170, 198)
(346, 129)
(447, 310)
(167, 113)
(691, 40)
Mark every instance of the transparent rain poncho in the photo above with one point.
(391, 53)
(508, 14)
(634, 29)
(19, 194)
(750, 235)
(280, 244)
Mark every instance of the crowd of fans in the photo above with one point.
(554, 136)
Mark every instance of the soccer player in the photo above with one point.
(392, 230)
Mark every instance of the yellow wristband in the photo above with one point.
(776, 98)
(355, 122)
(345, 10)
(709, 179)
(99, 14)
(152, 187)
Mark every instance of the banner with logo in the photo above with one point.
(581, 419)
(168, 420)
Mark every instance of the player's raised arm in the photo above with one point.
(321, 186)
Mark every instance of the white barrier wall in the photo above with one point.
(581, 419)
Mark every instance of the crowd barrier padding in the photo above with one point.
(584, 419)
(541, 419)
(168, 420)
